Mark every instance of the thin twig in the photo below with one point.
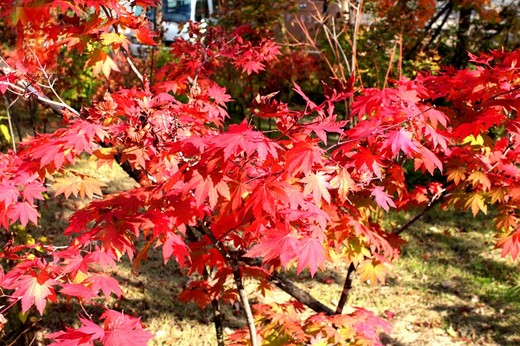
(26, 89)
(24, 331)
(132, 66)
(125, 53)
(50, 84)
(359, 9)
(390, 64)
(436, 200)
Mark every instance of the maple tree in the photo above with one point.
(235, 202)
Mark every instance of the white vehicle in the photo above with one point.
(175, 13)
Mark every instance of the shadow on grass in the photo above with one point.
(454, 256)
(154, 292)
(471, 323)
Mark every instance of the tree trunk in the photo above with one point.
(460, 59)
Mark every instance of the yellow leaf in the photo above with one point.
(497, 195)
(506, 220)
(79, 277)
(372, 271)
(67, 185)
(479, 140)
(479, 177)
(104, 155)
(456, 174)
(115, 39)
(344, 183)
(90, 186)
(5, 132)
(101, 62)
(73, 184)
(476, 203)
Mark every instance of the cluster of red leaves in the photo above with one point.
(297, 198)
(118, 329)
(90, 26)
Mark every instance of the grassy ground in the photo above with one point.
(449, 288)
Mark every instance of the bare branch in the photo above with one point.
(26, 89)
(237, 276)
(300, 295)
(132, 66)
(125, 53)
(438, 198)
(359, 9)
(347, 286)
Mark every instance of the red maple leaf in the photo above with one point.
(118, 330)
(218, 94)
(311, 254)
(103, 259)
(123, 330)
(510, 244)
(427, 160)
(79, 291)
(174, 245)
(276, 243)
(25, 212)
(241, 138)
(250, 66)
(302, 157)
(33, 289)
(33, 190)
(267, 196)
(401, 140)
(365, 159)
(8, 192)
(328, 124)
(382, 198)
(104, 283)
(145, 36)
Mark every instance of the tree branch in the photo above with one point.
(217, 313)
(435, 200)
(8, 106)
(275, 278)
(419, 42)
(347, 286)
(237, 276)
(299, 294)
(26, 89)
(217, 321)
(132, 65)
